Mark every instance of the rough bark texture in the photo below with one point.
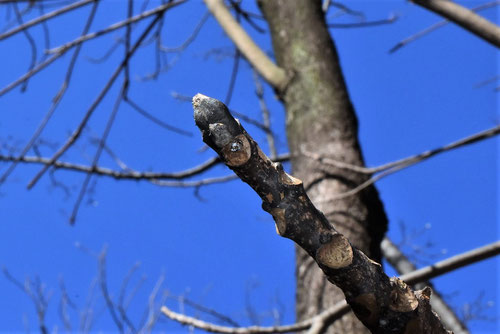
(383, 305)
(320, 119)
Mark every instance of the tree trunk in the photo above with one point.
(320, 119)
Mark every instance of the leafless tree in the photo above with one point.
(338, 237)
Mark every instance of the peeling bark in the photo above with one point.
(383, 304)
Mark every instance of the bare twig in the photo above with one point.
(121, 306)
(436, 26)
(195, 184)
(155, 11)
(152, 311)
(104, 289)
(452, 263)
(31, 73)
(397, 165)
(55, 101)
(191, 37)
(465, 18)
(45, 17)
(366, 24)
(234, 74)
(128, 174)
(31, 42)
(104, 91)
(210, 327)
(317, 323)
(155, 119)
(204, 309)
(255, 56)
(65, 301)
(99, 150)
(248, 17)
(259, 92)
(36, 292)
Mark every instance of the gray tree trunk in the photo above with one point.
(320, 119)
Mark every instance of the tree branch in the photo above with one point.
(452, 263)
(403, 265)
(55, 101)
(273, 74)
(435, 26)
(74, 136)
(316, 323)
(44, 18)
(115, 26)
(395, 166)
(465, 18)
(383, 304)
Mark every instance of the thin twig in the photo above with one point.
(328, 316)
(465, 18)
(31, 42)
(156, 120)
(83, 122)
(391, 19)
(259, 92)
(246, 15)
(452, 263)
(104, 289)
(45, 17)
(99, 150)
(195, 184)
(121, 308)
(117, 25)
(234, 74)
(338, 309)
(191, 37)
(392, 167)
(436, 26)
(128, 174)
(55, 101)
(204, 309)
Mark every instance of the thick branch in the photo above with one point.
(465, 18)
(383, 304)
(255, 56)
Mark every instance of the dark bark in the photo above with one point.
(320, 119)
(383, 305)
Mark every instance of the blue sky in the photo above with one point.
(223, 251)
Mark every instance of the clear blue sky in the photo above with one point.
(223, 251)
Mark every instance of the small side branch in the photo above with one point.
(44, 18)
(317, 323)
(273, 74)
(436, 26)
(77, 132)
(465, 18)
(452, 263)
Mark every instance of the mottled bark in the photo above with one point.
(383, 305)
(320, 119)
